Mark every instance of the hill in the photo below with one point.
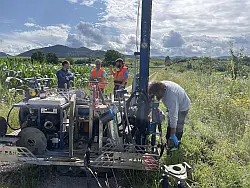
(64, 51)
(2, 54)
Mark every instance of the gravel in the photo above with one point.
(6, 167)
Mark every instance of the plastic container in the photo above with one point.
(107, 116)
(83, 111)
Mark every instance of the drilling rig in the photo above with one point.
(69, 128)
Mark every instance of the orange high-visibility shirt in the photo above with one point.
(120, 75)
(103, 80)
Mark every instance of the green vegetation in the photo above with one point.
(13, 71)
(111, 56)
(216, 138)
(38, 56)
(51, 58)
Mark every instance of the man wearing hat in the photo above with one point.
(120, 75)
(99, 74)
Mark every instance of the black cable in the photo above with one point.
(9, 116)
(142, 128)
(134, 94)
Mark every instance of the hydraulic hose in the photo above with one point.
(140, 121)
(133, 95)
(9, 116)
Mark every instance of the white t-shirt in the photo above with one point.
(176, 100)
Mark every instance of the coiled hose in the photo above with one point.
(141, 124)
(9, 116)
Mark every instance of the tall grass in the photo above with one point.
(216, 139)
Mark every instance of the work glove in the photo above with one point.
(175, 139)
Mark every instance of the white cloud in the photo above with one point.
(17, 42)
(30, 24)
(95, 37)
(174, 39)
(206, 27)
(72, 1)
(88, 2)
(83, 2)
(194, 27)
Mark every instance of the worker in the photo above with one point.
(177, 103)
(120, 75)
(64, 76)
(99, 74)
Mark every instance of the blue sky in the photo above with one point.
(178, 27)
(45, 12)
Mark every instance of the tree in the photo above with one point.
(37, 56)
(167, 61)
(52, 58)
(70, 59)
(110, 57)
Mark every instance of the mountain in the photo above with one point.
(64, 51)
(2, 54)
(223, 57)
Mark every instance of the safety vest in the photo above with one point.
(120, 75)
(103, 80)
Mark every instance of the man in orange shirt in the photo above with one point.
(99, 74)
(120, 75)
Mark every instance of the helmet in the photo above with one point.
(98, 61)
(119, 60)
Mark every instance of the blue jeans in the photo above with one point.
(180, 125)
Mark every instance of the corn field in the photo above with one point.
(13, 71)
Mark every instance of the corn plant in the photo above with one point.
(13, 71)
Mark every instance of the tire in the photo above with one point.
(3, 126)
(33, 139)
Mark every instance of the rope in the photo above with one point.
(137, 24)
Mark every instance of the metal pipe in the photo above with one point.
(61, 127)
(144, 66)
(71, 127)
(145, 43)
(134, 86)
(91, 112)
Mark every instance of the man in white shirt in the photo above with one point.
(177, 103)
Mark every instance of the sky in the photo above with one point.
(179, 27)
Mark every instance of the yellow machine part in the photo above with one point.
(32, 92)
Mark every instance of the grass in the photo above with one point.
(216, 138)
(26, 177)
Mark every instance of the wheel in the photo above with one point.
(3, 126)
(33, 139)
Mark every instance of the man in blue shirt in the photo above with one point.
(64, 76)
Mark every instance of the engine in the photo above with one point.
(49, 121)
